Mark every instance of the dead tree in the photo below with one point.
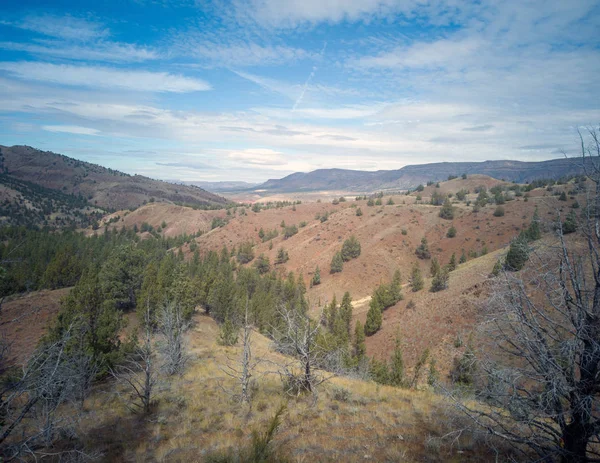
(172, 326)
(543, 384)
(30, 404)
(137, 373)
(297, 339)
(243, 370)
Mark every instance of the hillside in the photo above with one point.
(94, 185)
(413, 175)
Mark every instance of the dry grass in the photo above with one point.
(351, 420)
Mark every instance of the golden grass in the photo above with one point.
(194, 417)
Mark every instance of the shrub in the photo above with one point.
(350, 249)
(517, 255)
(245, 252)
(563, 196)
(499, 212)
(282, 256)
(451, 232)
(262, 264)
(447, 211)
(437, 199)
(359, 212)
(290, 231)
(422, 250)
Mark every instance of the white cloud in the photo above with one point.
(423, 55)
(291, 13)
(99, 51)
(74, 129)
(261, 157)
(65, 27)
(104, 77)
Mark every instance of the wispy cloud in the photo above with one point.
(64, 27)
(104, 77)
(74, 129)
(99, 51)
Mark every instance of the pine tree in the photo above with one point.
(228, 334)
(570, 223)
(346, 311)
(422, 250)
(337, 263)
(452, 264)
(396, 287)
(416, 279)
(359, 348)
(534, 231)
(463, 257)
(316, 279)
(350, 249)
(434, 268)
(396, 367)
(447, 211)
(517, 255)
(374, 318)
(440, 281)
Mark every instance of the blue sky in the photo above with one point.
(256, 89)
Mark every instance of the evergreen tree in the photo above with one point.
(396, 287)
(396, 367)
(337, 263)
(350, 249)
(434, 268)
(228, 334)
(452, 264)
(121, 276)
(422, 250)
(447, 211)
(97, 322)
(359, 348)
(517, 255)
(463, 257)
(440, 281)
(346, 311)
(359, 212)
(262, 264)
(374, 318)
(316, 279)
(451, 232)
(570, 223)
(416, 279)
(534, 231)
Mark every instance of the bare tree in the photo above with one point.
(137, 373)
(297, 338)
(31, 402)
(244, 370)
(172, 325)
(544, 383)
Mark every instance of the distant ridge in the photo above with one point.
(99, 186)
(411, 176)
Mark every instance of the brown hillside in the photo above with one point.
(104, 187)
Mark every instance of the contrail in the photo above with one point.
(310, 77)
(299, 100)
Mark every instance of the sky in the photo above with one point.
(213, 90)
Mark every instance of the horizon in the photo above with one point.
(227, 91)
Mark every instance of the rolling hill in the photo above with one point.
(45, 188)
(411, 176)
